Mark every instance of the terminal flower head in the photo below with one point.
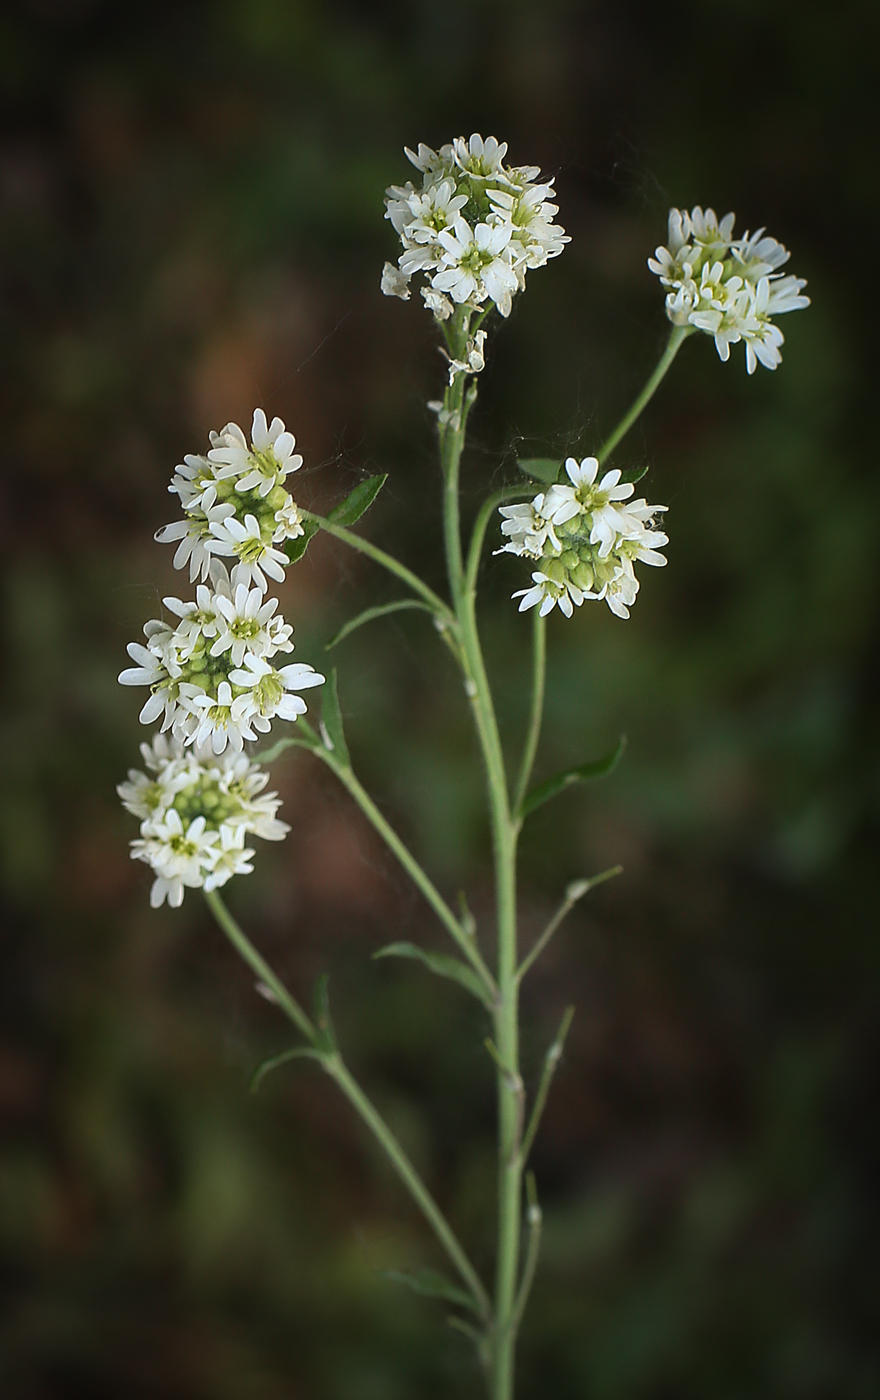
(729, 288)
(472, 226)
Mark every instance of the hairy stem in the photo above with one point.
(335, 1067)
(676, 340)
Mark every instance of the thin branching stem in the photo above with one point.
(575, 891)
(333, 1064)
(676, 340)
(379, 556)
(534, 1220)
(536, 713)
(514, 492)
(551, 1060)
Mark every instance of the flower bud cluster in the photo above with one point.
(727, 287)
(236, 504)
(585, 540)
(473, 227)
(195, 810)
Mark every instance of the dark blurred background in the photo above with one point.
(192, 225)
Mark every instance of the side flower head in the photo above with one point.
(586, 536)
(211, 676)
(196, 808)
(236, 503)
(729, 288)
(472, 226)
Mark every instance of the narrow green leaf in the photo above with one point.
(587, 771)
(360, 499)
(634, 474)
(440, 964)
(544, 469)
(433, 1285)
(370, 614)
(300, 1053)
(334, 734)
(295, 549)
(321, 1012)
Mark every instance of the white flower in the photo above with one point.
(197, 542)
(196, 811)
(728, 288)
(472, 228)
(256, 556)
(586, 537)
(210, 677)
(474, 361)
(263, 464)
(394, 282)
(473, 264)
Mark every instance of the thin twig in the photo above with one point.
(551, 1060)
(539, 671)
(534, 1220)
(576, 890)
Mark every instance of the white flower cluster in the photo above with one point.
(211, 676)
(473, 228)
(585, 540)
(728, 287)
(195, 810)
(236, 504)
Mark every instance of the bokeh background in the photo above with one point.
(192, 225)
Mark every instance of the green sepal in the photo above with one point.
(440, 964)
(331, 718)
(321, 1013)
(600, 768)
(295, 549)
(303, 1052)
(433, 1285)
(370, 614)
(544, 469)
(359, 500)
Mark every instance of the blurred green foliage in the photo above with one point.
(191, 225)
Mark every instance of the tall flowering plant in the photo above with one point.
(218, 673)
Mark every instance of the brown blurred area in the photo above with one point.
(191, 225)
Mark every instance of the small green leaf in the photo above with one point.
(295, 549)
(360, 499)
(370, 614)
(634, 474)
(334, 734)
(300, 1053)
(440, 964)
(587, 771)
(433, 1285)
(544, 469)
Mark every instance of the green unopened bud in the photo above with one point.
(554, 569)
(569, 558)
(583, 576)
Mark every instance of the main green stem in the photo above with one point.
(676, 340)
(504, 837)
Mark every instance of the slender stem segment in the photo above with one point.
(412, 867)
(551, 1060)
(387, 561)
(539, 670)
(333, 1064)
(534, 1220)
(674, 344)
(514, 492)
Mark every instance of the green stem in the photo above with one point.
(412, 867)
(335, 1067)
(534, 1220)
(539, 669)
(387, 561)
(504, 836)
(337, 1070)
(676, 339)
(551, 1060)
(242, 944)
(484, 515)
(576, 890)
